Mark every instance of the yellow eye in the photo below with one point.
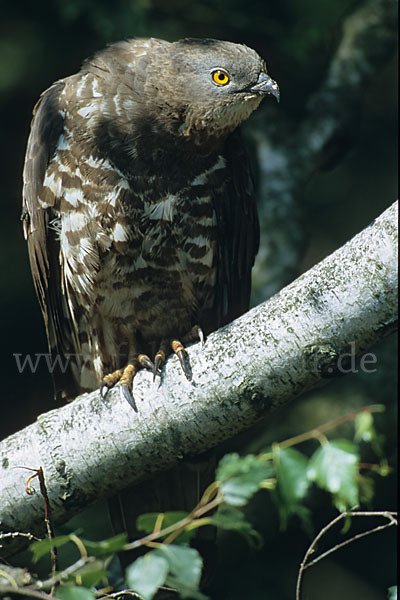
(220, 77)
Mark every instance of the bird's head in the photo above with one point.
(197, 89)
(216, 84)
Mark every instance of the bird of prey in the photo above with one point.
(139, 207)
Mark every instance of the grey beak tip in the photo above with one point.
(277, 95)
(266, 85)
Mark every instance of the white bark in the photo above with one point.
(94, 448)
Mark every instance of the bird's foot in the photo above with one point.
(125, 377)
(178, 348)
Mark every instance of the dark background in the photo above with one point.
(43, 41)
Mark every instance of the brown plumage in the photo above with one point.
(138, 207)
(138, 202)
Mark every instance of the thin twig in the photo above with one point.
(391, 516)
(25, 591)
(47, 514)
(318, 431)
(349, 541)
(15, 534)
(176, 527)
(58, 577)
(122, 593)
(203, 506)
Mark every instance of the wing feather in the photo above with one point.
(38, 214)
(238, 234)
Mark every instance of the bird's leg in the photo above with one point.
(125, 377)
(196, 333)
(181, 353)
(178, 348)
(109, 381)
(160, 357)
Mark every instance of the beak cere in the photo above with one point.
(265, 85)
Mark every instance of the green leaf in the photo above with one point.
(364, 427)
(72, 592)
(97, 549)
(291, 473)
(292, 485)
(365, 431)
(185, 564)
(240, 477)
(147, 521)
(105, 547)
(147, 573)
(392, 593)
(184, 592)
(333, 467)
(232, 519)
(90, 574)
(41, 548)
(366, 488)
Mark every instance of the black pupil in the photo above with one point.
(221, 76)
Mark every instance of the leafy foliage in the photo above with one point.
(292, 484)
(74, 592)
(288, 473)
(105, 547)
(149, 521)
(178, 566)
(184, 565)
(241, 477)
(333, 468)
(365, 431)
(232, 519)
(42, 547)
(97, 549)
(147, 574)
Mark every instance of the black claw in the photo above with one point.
(201, 335)
(103, 390)
(127, 395)
(157, 367)
(154, 373)
(147, 363)
(184, 360)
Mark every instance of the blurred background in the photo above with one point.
(44, 41)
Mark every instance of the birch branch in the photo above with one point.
(94, 448)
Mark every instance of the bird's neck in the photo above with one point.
(152, 149)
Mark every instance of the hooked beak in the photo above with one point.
(265, 85)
